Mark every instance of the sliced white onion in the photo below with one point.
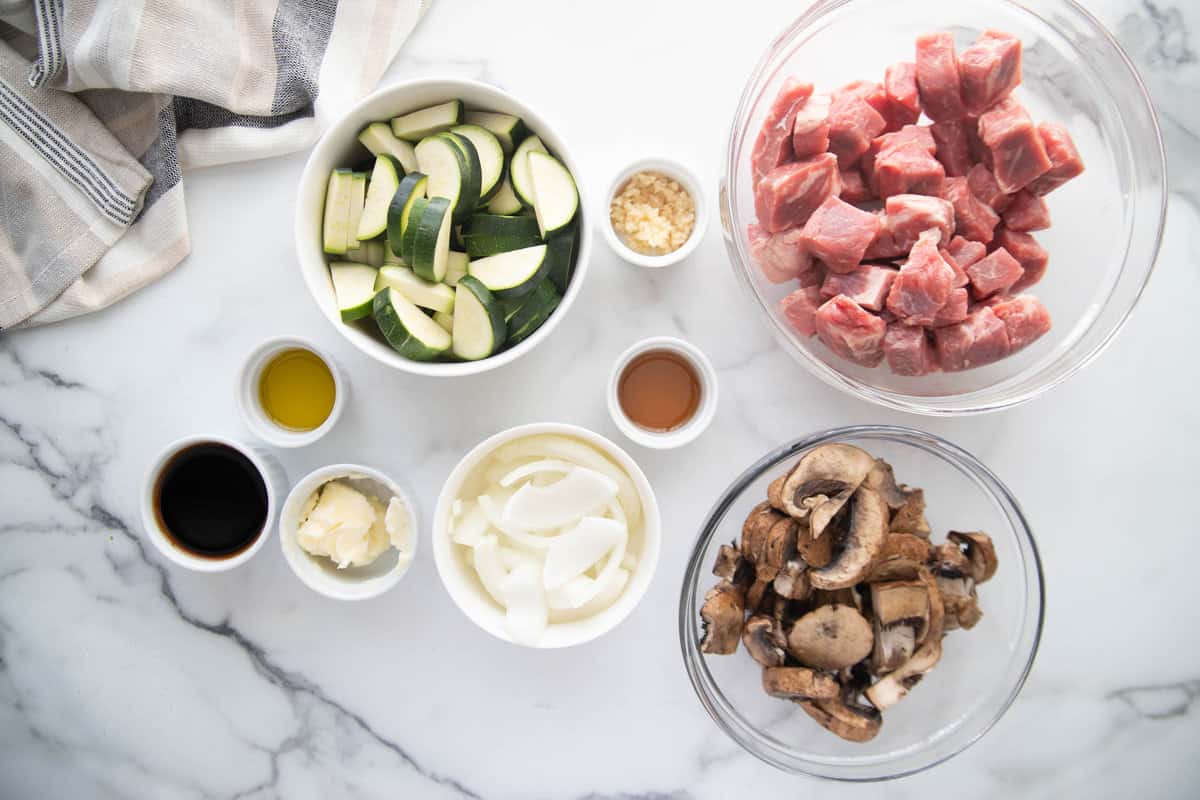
(603, 597)
(489, 567)
(526, 616)
(572, 594)
(535, 468)
(471, 525)
(524, 538)
(576, 550)
(629, 562)
(580, 493)
(601, 580)
(512, 558)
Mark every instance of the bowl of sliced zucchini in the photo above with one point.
(439, 227)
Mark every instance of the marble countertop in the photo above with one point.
(123, 676)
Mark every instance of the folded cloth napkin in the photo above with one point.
(103, 104)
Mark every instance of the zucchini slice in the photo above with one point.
(378, 138)
(371, 252)
(561, 254)
(446, 321)
(518, 169)
(431, 241)
(466, 205)
(420, 292)
(479, 328)
(491, 158)
(456, 267)
(358, 198)
(507, 129)
(487, 234)
(412, 188)
(534, 310)
(555, 198)
(511, 274)
(385, 180)
(443, 158)
(428, 121)
(410, 230)
(408, 329)
(354, 288)
(506, 201)
(336, 233)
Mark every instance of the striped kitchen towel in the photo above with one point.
(104, 104)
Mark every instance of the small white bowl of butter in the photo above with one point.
(348, 532)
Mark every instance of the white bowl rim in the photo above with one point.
(665, 440)
(672, 169)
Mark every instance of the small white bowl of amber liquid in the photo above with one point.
(662, 392)
(655, 213)
(290, 392)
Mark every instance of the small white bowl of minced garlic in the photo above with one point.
(656, 214)
(348, 532)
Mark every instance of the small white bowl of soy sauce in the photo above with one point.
(662, 392)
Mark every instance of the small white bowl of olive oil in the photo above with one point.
(290, 392)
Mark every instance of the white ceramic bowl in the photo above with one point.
(339, 146)
(687, 179)
(462, 583)
(665, 440)
(321, 574)
(251, 409)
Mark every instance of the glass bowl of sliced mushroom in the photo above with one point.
(861, 604)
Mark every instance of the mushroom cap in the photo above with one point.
(850, 721)
(882, 479)
(910, 517)
(902, 554)
(764, 640)
(792, 580)
(890, 689)
(816, 550)
(827, 474)
(860, 544)
(733, 566)
(901, 603)
(980, 553)
(722, 614)
(754, 530)
(831, 637)
(794, 683)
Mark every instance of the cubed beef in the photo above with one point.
(813, 276)
(873, 93)
(910, 215)
(979, 151)
(1024, 248)
(996, 272)
(781, 256)
(853, 124)
(1027, 212)
(773, 146)
(904, 103)
(838, 234)
(937, 77)
(953, 150)
(852, 332)
(788, 195)
(979, 339)
(955, 309)
(983, 185)
(960, 274)
(1025, 320)
(989, 69)
(908, 350)
(966, 252)
(905, 168)
(810, 128)
(923, 285)
(1018, 155)
(854, 186)
(867, 285)
(973, 218)
(800, 309)
(1065, 162)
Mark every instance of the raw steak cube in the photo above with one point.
(973, 218)
(979, 339)
(773, 146)
(955, 309)
(1018, 155)
(910, 215)
(1025, 249)
(979, 152)
(854, 186)
(953, 149)
(780, 256)
(838, 234)
(873, 93)
(904, 169)
(960, 274)
(908, 350)
(1065, 162)
(787, 196)
(937, 77)
(853, 124)
(989, 69)
(1027, 212)
(904, 103)
(923, 285)
(850, 331)
(997, 272)
(908, 135)
(868, 285)
(800, 309)
(983, 185)
(1025, 320)
(966, 252)
(810, 129)
(813, 276)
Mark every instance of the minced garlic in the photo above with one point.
(653, 214)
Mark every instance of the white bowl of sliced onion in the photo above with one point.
(546, 535)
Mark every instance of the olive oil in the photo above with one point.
(659, 390)
(296, 390)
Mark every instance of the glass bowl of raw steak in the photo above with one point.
(953, 215)
(852, 668)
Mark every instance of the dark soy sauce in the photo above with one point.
(211, 500)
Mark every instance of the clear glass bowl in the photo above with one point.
(1107, 223)
(981, 670)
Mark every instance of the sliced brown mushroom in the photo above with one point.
(754, 530)
(882, 479)
(948, 560)
(822, 481)
(902, 554)
(900, 613)
(980, 553)
(859, 545)
(792, 580)
(722, 615)
(834, 597)
(830, 637)
(937, 608)
(764, 640)
(910, 518)
(851, 721)
(960, 601)
(799, 683)
(733, 566)
(892, 688)
(760, 597)
(817, 551)
(779, 547)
